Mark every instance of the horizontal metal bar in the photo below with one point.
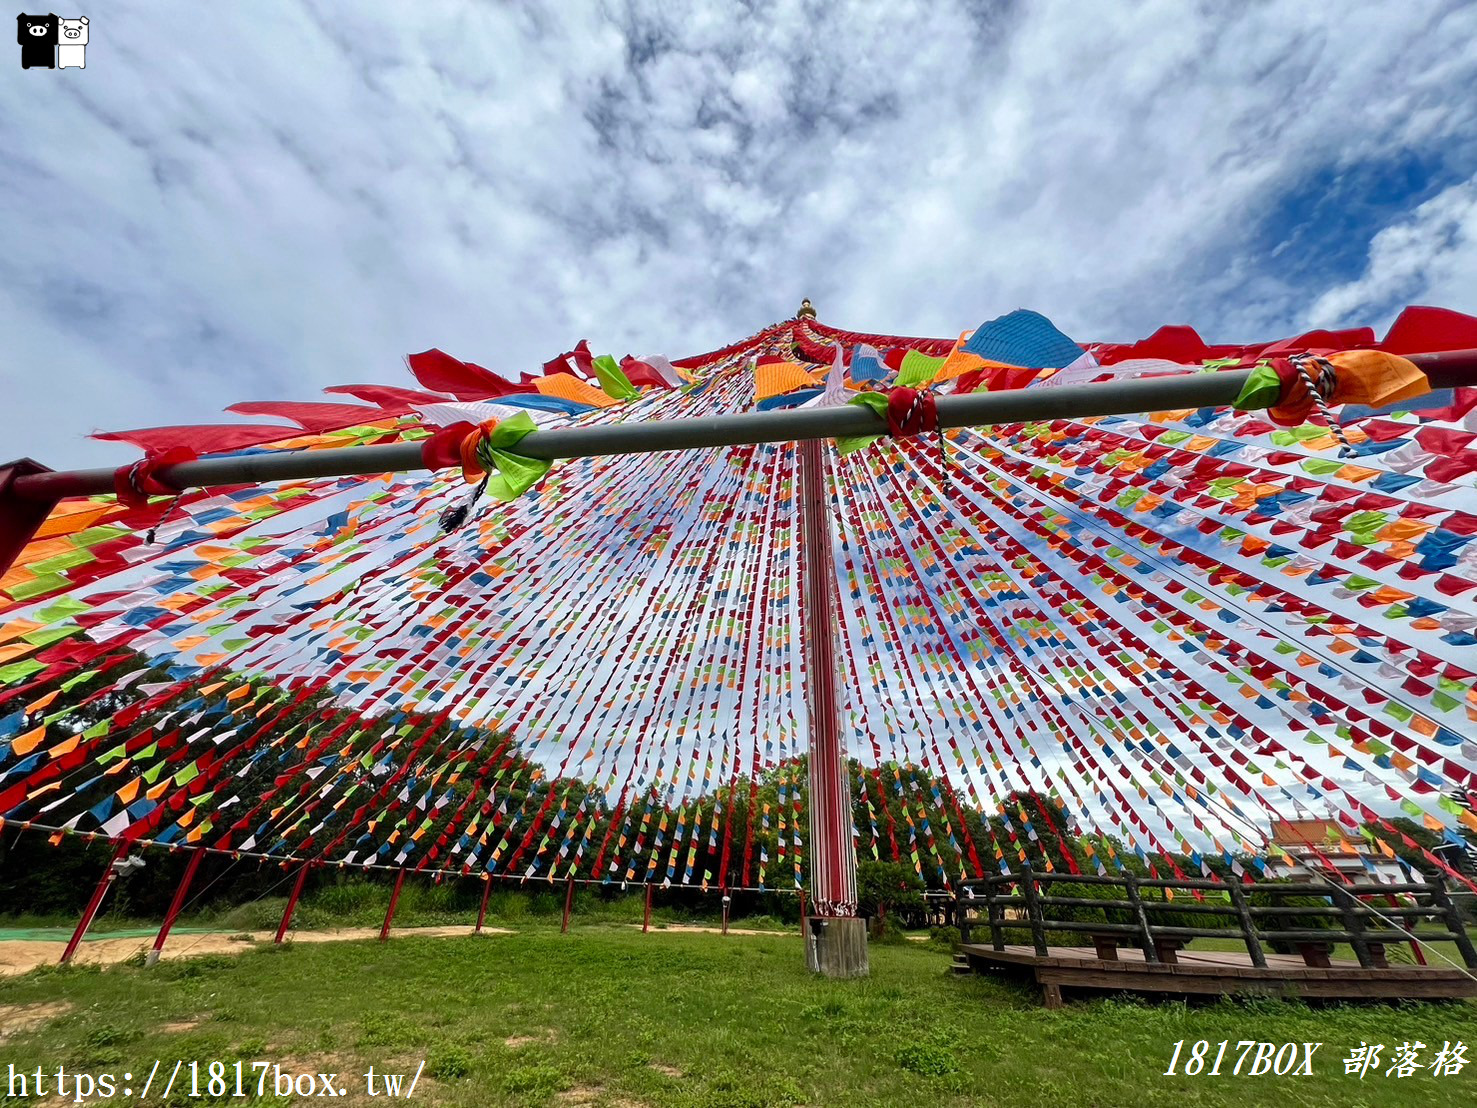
(1189, 390)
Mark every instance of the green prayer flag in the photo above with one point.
(850, 444)
(613, 380)
(1261, 390)
(510, 474)
(917, 369)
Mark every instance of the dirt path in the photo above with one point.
(694, 928)
(24, 955)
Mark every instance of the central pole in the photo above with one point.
(835, 938)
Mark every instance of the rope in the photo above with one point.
(149, 535)
(1320, 389)
(135, 483)
(911, 412)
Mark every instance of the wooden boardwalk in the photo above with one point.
(1214, 972)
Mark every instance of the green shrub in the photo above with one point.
(1289, 918)
(885, 931)
(945, 938)
(449, 1060)
(930, 1058)
(538, 1082)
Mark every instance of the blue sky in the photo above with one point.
(288, 196)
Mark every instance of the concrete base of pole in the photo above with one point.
(836, 946)
(151, 958)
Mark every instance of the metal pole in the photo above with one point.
(297, 888)
(90, 912)
(568, 904)
(832, 854)
(175, 905)
(1188, 390)
(394, 900)
(646, 918)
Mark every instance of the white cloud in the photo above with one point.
(1429, 258)
(301, 195)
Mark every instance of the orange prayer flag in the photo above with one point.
(24, 744)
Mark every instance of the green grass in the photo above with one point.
(606, 1015)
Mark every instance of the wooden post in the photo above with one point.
(1141, 918)
(1353, 924)
(90, 912)
(568, 906)
(175, 905)
(394, 900)
(1454, 924)
(803, 933)
(995, 913)
(1248, 925)
(961, 913)
(646, 916)
(482, 911)
(1033, 909)
(297, 889)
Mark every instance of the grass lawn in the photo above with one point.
(606, 1015)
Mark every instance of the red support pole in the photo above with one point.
(20, 516)
(646, 919)
(568, 905)
(175, 905)
(297, 888)
(1415, 947)
(90, 912)
(482, 911)
(394, 900)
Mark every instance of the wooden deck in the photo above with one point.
(1212, 972)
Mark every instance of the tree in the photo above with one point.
(884, 885)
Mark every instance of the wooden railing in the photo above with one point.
(1032, 900)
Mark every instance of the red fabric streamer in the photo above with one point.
(437, 370)
(1419, 330)
(456, 445)
(584, 361)
(136, 483)
(1314, 341)
(911, 412)
(389, 397)
(639, 373)
(444, 449)
(1172, 343)
(214, 438)
(313, 416)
